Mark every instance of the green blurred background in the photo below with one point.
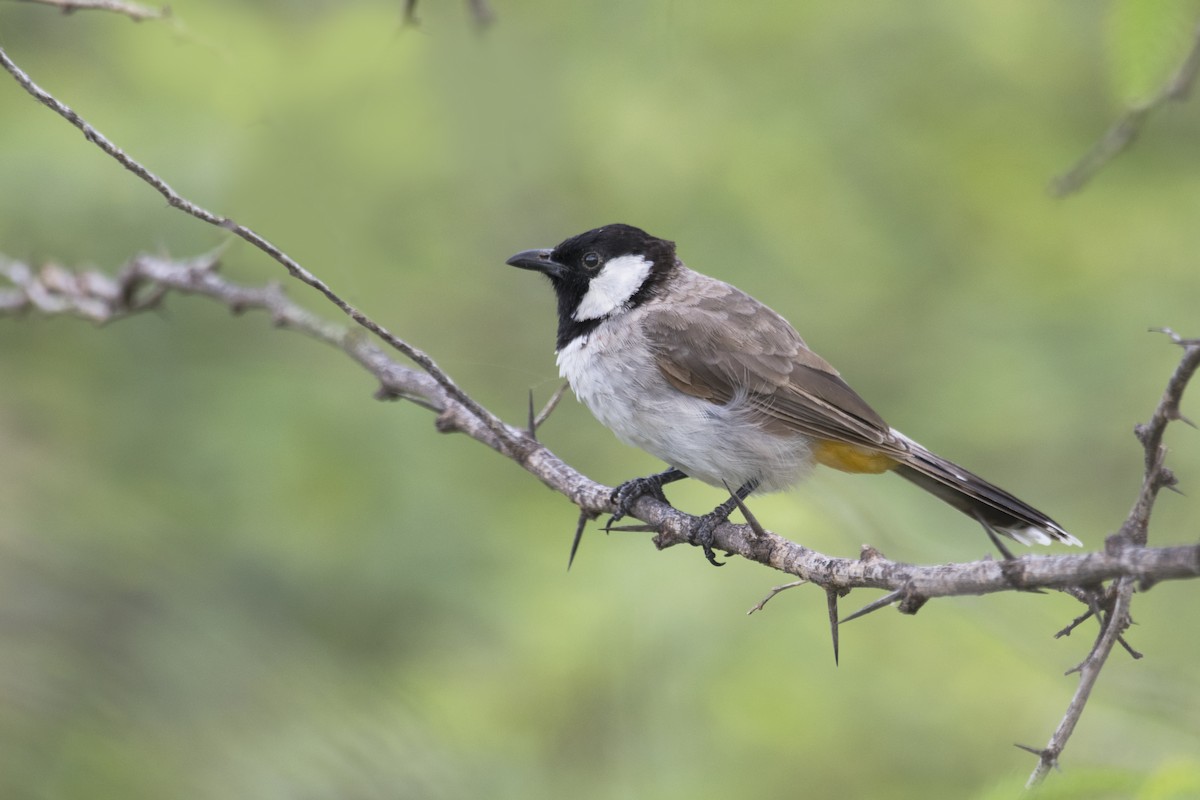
(226, 571)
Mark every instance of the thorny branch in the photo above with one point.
(135, 11)
(1111, 606)
(1129, 125)
(146, 281)
(507, 442)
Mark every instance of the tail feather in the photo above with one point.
(983, 501)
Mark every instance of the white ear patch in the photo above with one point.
(619, 280)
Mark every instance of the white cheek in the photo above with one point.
(618, 281)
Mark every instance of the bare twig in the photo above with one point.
(1156, 474)
(1115, 622)
(1131, 538)
(1075, 623)
(508, 440)
(135, 11)
(1129, 125)
(774, 591)
(551, 404)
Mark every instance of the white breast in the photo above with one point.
(611, 370)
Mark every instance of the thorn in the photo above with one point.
(882, 602)
(532, 430)
(1075, 623)
(831, 598)
(1167, 331)
(639, 528)
(1036, 751)
(1134, 653)
(583, 518)
(751, 520)
(759, 605)
(1175, 337)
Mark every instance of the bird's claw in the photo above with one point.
(628, 493)
(705, 533)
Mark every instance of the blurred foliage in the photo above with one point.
(1147, 41)
(225, 571)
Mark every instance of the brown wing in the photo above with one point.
(724, 344)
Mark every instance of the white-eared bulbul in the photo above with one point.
(723, 389)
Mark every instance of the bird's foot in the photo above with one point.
(705, 531)
(628, 493)
(704, 534)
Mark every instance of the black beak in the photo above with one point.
(538, 260)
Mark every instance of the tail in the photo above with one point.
(988, 504)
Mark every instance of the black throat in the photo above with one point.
(569, 328)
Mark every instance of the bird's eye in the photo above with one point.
(591, 260)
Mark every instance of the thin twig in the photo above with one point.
(1156, 475)
(1131, 538)
(1075, 623)
(551, 404)
(1089, 671)
(514, 444)
(135, 11)
(1129, 125)
(774, 591)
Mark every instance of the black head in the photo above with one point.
(599, 274)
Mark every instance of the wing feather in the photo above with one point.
(725, 345)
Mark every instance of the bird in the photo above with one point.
(724, 390)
